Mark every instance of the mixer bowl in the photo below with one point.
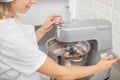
(75, 52)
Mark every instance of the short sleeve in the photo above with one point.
(20, 53)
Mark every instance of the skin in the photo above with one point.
(50, 67)
(22, 6)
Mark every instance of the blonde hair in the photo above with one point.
(7, 10)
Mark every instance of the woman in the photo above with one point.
(19, 52)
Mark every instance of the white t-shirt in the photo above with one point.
(19, 51)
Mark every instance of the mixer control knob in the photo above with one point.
(103, 55)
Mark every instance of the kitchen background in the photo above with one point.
(81, 10)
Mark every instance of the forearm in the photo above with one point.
(40, 32)
(76, 72)
(52, 69)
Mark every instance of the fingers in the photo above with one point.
(61, 21)
(51, 24)
(114, 60)
(57, 18)
(55, 15)
(111, 59)
(52, 20)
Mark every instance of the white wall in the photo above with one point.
(105, 9)
(40, 11)
(116, 27)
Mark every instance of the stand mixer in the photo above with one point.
(82, 43)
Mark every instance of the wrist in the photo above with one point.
(41, 31)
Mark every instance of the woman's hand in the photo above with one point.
(106, 63)
(51, 21)
(48, 25)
